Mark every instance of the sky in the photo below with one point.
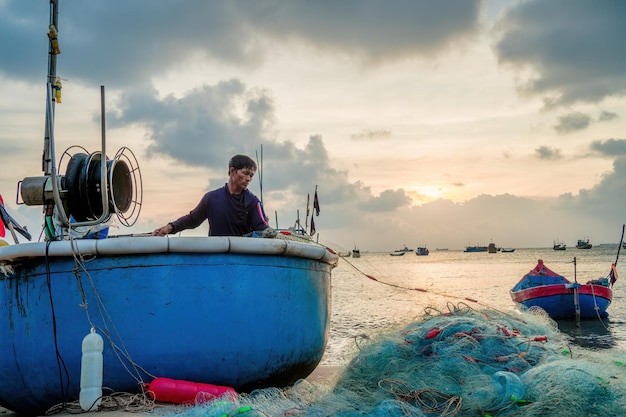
(441, 123)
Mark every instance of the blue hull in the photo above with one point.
(562, 306)
(245, 320)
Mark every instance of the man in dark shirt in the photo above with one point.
(231, 210)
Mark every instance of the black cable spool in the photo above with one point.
(83, 185)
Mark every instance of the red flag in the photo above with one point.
(2, 231)
(312, 226)
(316, 204)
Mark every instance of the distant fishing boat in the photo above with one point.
(492, 248)
(475, 249)
(558, 245)
(583, 244)
(404, 249)
(356, 253)
(422, 251)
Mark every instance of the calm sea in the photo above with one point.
(363, 307)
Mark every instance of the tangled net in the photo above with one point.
(461, 362)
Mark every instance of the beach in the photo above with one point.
(376, 295)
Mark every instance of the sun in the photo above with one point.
(425, 193)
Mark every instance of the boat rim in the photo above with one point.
(145, 245)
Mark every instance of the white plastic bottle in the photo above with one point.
(91, 372)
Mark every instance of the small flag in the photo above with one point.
(316, 204)
(2, 231)
(613, 274)
(312, 226)
(308, 199)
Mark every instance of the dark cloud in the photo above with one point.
(610, 147)
(547, 153)
(369, 28)
(227, 116)
(572, 122)
(574, 48)
(128, 42)
(606, 200)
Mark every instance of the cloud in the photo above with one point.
(566, 52)
(388, 200)
(547, 153)
(227, 116)
(606, 116)
(371, 135)
(606, 200)
(609, 147)
(134, 41)
(572, 122)
(370, 29)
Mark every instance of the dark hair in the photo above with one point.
(240, 162)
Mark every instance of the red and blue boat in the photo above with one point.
(561, 298)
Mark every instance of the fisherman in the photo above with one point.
(232, 210)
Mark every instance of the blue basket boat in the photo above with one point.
(235, 311)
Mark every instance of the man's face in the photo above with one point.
(242, 177)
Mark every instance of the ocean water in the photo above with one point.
(403, 287)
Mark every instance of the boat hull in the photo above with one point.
(558, 300)
(239, 312)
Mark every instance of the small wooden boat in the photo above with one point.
(562, 298)
(397, 253)
(508, 250)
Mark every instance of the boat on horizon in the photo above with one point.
(404, 249)
(475, 249)
(422, 251)
(397, 253)
(558, 245)
(583, 244)
(242, 312)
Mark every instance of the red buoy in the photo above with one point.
(178, 391)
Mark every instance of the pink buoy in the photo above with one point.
(178, 391)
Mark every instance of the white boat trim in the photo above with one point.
(157, 244)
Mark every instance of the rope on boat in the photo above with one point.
(114, 402)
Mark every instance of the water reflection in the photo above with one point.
(591, 334)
